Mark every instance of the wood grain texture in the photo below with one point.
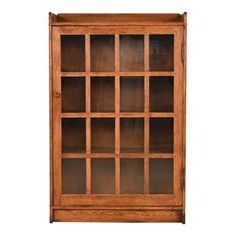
(56, 110)
(124, 30)
(184, 19)
(117, 19)
(51, 19)
(108, 87)
(120, 200)
(118, 73)
(117, 216)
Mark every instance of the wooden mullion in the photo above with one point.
(117, 175)
(146, 157)
(146, 135)
(146, 52)
(146, 175)
(123, 114)
(88, 158)
(87, 52)
(118, 73)
(121, 155)
(117, 159)
(88, 119)
(88, 175)
(88, 91)
(117, 53)
(117, 112)
(146, 110)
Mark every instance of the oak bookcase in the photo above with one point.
(117, 117)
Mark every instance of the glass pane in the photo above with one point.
(103, 135)
(161, 176)
(131, 175)
(132, 135)
(73, 176)
(73, 135)
(131, 52)
(103, 175)
(73, 94)
(161, 135)
(132, 94)
(162, 94)
(72, 53)
(161, 52)
(102, 53)
(102, 94)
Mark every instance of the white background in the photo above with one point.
(24, 112)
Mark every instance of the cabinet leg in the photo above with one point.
(51, 215)
(183, 218)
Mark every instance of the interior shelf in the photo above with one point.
(102, 175)
(132, 176)
(73, 94)
(132, 94)
(72, 53)
(102, 53)
(131, 135)
(131, 52)
(73, 135)
(161, 176)
(73, 176)
(102, 94)
(161, 135)
(162, 94)
(103, 135)
(161, 52)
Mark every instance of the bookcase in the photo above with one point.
(117, 117)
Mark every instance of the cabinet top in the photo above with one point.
(117, 19)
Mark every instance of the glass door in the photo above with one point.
(118, 116)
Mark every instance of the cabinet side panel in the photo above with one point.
(184, 109)
(50, 119)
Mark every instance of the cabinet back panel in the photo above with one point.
(102, 53)
(72, 53)
(132, 52)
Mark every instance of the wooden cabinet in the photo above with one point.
(117, 115)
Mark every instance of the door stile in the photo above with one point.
(56, 114)
(178, 115)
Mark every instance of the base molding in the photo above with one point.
(116, 215)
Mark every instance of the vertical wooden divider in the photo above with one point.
(88, 119)
(146, 110)
(178, 114)
(56, 114)
(184, 16)
(117, 116)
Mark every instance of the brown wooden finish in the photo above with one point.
(184, 43)
(117, 117)
(117, 216)
(117, 19)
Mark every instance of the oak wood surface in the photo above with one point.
(117, 134)
(117, 216)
